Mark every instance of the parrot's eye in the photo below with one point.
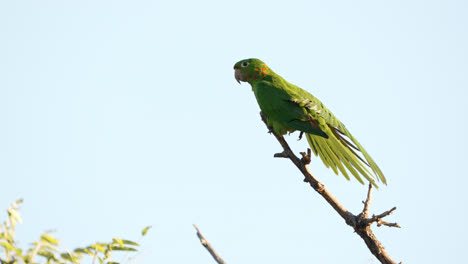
(245, 64)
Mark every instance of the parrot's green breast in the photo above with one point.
(273, 101)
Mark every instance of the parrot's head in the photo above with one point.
(249, 70)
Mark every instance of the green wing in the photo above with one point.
(283, 115)
(336, 151)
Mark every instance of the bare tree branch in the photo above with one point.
(361, 223)
(208, 247)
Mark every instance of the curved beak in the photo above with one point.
(238, 75)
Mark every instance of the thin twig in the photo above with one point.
(360, 223)
(208, 247)
(379, 221)
(386, 213)
(365, 211)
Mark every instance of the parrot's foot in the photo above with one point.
(300, 135)
(306, 157)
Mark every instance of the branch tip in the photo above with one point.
(208, 247)
(281, 155)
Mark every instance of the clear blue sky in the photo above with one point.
(120, 114)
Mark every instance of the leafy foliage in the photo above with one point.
(47, 248)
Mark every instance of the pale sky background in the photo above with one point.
(116, 115)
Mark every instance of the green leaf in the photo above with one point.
(118, 241)
(49, 239)
(128, 242)
(145, 230)
(98, 246)
(67, 256)
(5, 236)
(7, 246)
(87, 251)
(46, 254)
(80, 250)
(112, 262)
(122, 248)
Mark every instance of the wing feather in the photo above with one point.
(341, 150)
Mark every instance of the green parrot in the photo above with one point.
(288, 108)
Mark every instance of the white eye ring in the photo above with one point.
(245, 64)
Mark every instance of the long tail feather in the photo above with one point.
(366, 155)
(340, 157)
